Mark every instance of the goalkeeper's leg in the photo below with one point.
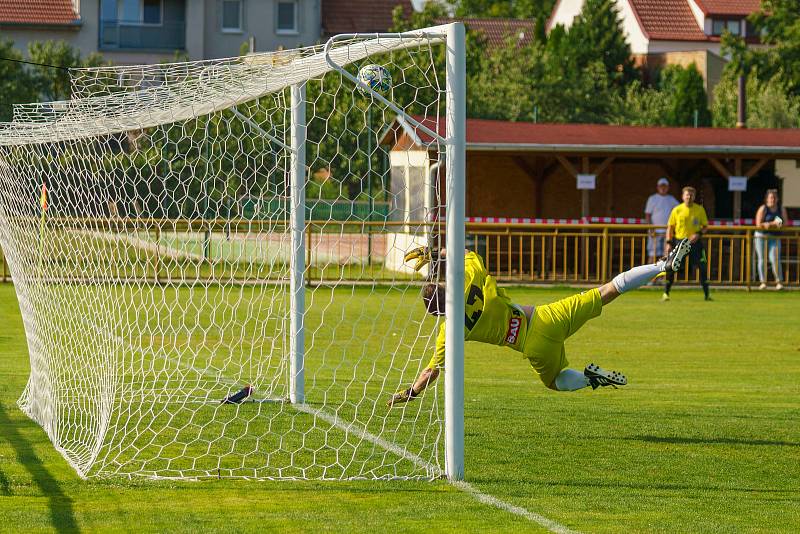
(639, 276)
(549, 361)
(568, 315)
(593, 375)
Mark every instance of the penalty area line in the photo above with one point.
(484, 498)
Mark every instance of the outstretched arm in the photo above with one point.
(426, 377)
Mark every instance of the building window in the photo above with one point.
(750, 30)
(719, 26)
(287, 17)
(232, 16)
(151, 11)
(140, 11)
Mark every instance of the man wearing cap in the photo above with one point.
(656, 212)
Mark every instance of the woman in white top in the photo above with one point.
(769, 217)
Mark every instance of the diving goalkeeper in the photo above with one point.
(538, 332)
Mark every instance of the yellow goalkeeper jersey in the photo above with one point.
(490, 316)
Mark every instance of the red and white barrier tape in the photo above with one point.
(601, 220)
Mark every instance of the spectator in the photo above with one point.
(767, 243)
(659, 206)
(688, 220)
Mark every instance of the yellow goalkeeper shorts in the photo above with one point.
(552, 324)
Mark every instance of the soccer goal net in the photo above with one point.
(208, 258)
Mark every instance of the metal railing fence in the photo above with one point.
(580, 254)
(594, 253)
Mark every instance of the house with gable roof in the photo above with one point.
(151, 31)
(667, 32)
(360, 16)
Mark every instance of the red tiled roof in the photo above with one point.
(668, 20)
(38, 12)
(497, 31)
(495, 134)
(673, 20)
(728, 7)
(360, 16)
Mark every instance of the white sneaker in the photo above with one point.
(664, 297)
(778, 286)
(763, 286)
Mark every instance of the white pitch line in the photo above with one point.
(490, 500)
(351, 428)
(485, 498)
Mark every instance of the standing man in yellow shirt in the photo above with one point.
(688, 221)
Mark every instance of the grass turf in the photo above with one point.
(705, 438)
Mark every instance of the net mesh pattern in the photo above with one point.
(146, 224)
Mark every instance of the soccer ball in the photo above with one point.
(375, 77)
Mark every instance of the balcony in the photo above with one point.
(134, 35)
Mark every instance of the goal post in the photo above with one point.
(456, 180)
(213, 286)
(298, 224)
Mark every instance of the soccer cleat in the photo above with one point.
(676, 255)
(239, 396)
(664, 297)
(599, 377)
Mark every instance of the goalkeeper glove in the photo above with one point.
(401, 397)
(421, 254)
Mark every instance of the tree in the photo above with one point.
(596, 34)
(778, 23)
(502, 87)
(570, 76)
(53, 82)
(642, 106)
(770, 102)
(673, 101)
(15, 84)
(773, 73)
(686, 95)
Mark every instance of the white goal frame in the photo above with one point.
(137, 372)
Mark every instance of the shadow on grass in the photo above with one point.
(61, 513)
(711, 441)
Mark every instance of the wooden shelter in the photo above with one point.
(517, 169)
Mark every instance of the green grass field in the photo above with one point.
(704, 439)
